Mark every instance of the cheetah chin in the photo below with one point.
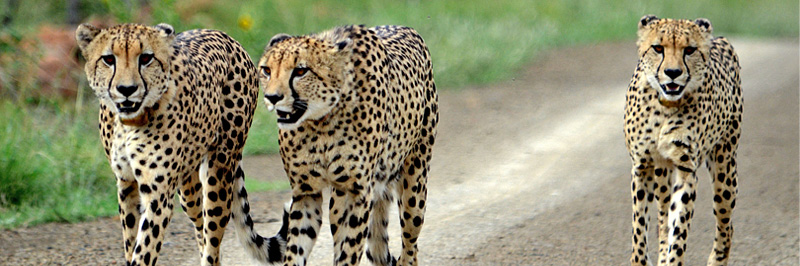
(128, 107)
(294, 116)
(672, 91)
(132, 114)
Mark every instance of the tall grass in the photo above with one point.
(52, 166)
(51, 171)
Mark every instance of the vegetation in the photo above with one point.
(52, 167)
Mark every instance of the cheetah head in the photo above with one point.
(127, 66)
(304, 77)
(674, 55)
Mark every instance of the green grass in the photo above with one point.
(263, 135)
(253, 185)
(52, 167)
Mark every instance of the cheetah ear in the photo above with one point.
(165, 29)
(341, 48)
(704, 24)
(342, 45)
(278, 38)
(85, 34)
(646, 20)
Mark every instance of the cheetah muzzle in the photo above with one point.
(299, 108)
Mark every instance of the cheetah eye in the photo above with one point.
(145, 59)
(265, 71)
(689, 50)
(658, 48)
(299, 71)
(108, 59)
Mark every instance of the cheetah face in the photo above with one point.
(675, 54)
(302, 78)
(127, 66)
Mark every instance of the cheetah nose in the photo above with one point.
(273, 98)
(126, 90)
(673, 72)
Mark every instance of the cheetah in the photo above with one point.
(175, 110)
(357, 110)
(684, 107)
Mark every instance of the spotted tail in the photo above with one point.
(263, 249)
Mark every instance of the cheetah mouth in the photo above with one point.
(672, 89)
(128, 107)
(298, 109)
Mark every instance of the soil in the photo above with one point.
(530, 171)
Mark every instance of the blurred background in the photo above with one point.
(52, 166)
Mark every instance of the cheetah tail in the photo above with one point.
(265, 250)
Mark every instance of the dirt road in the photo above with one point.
(532, 171)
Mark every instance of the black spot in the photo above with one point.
(130, 220)
(223, 195)
(154, 205)
(311, 233)
(296, 215)
(216, 211)
(338, 170)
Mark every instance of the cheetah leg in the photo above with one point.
(156, 198)
(349, 214)
(662, 189)
(305, 219)
(723, 172)
(191, 195)
(412, 193)
(217, 179)
(128, 198)
(680, 214)
(640, 187)
(378, 242)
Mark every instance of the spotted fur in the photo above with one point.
(175, 110)
(357, 111)
(684, 107)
